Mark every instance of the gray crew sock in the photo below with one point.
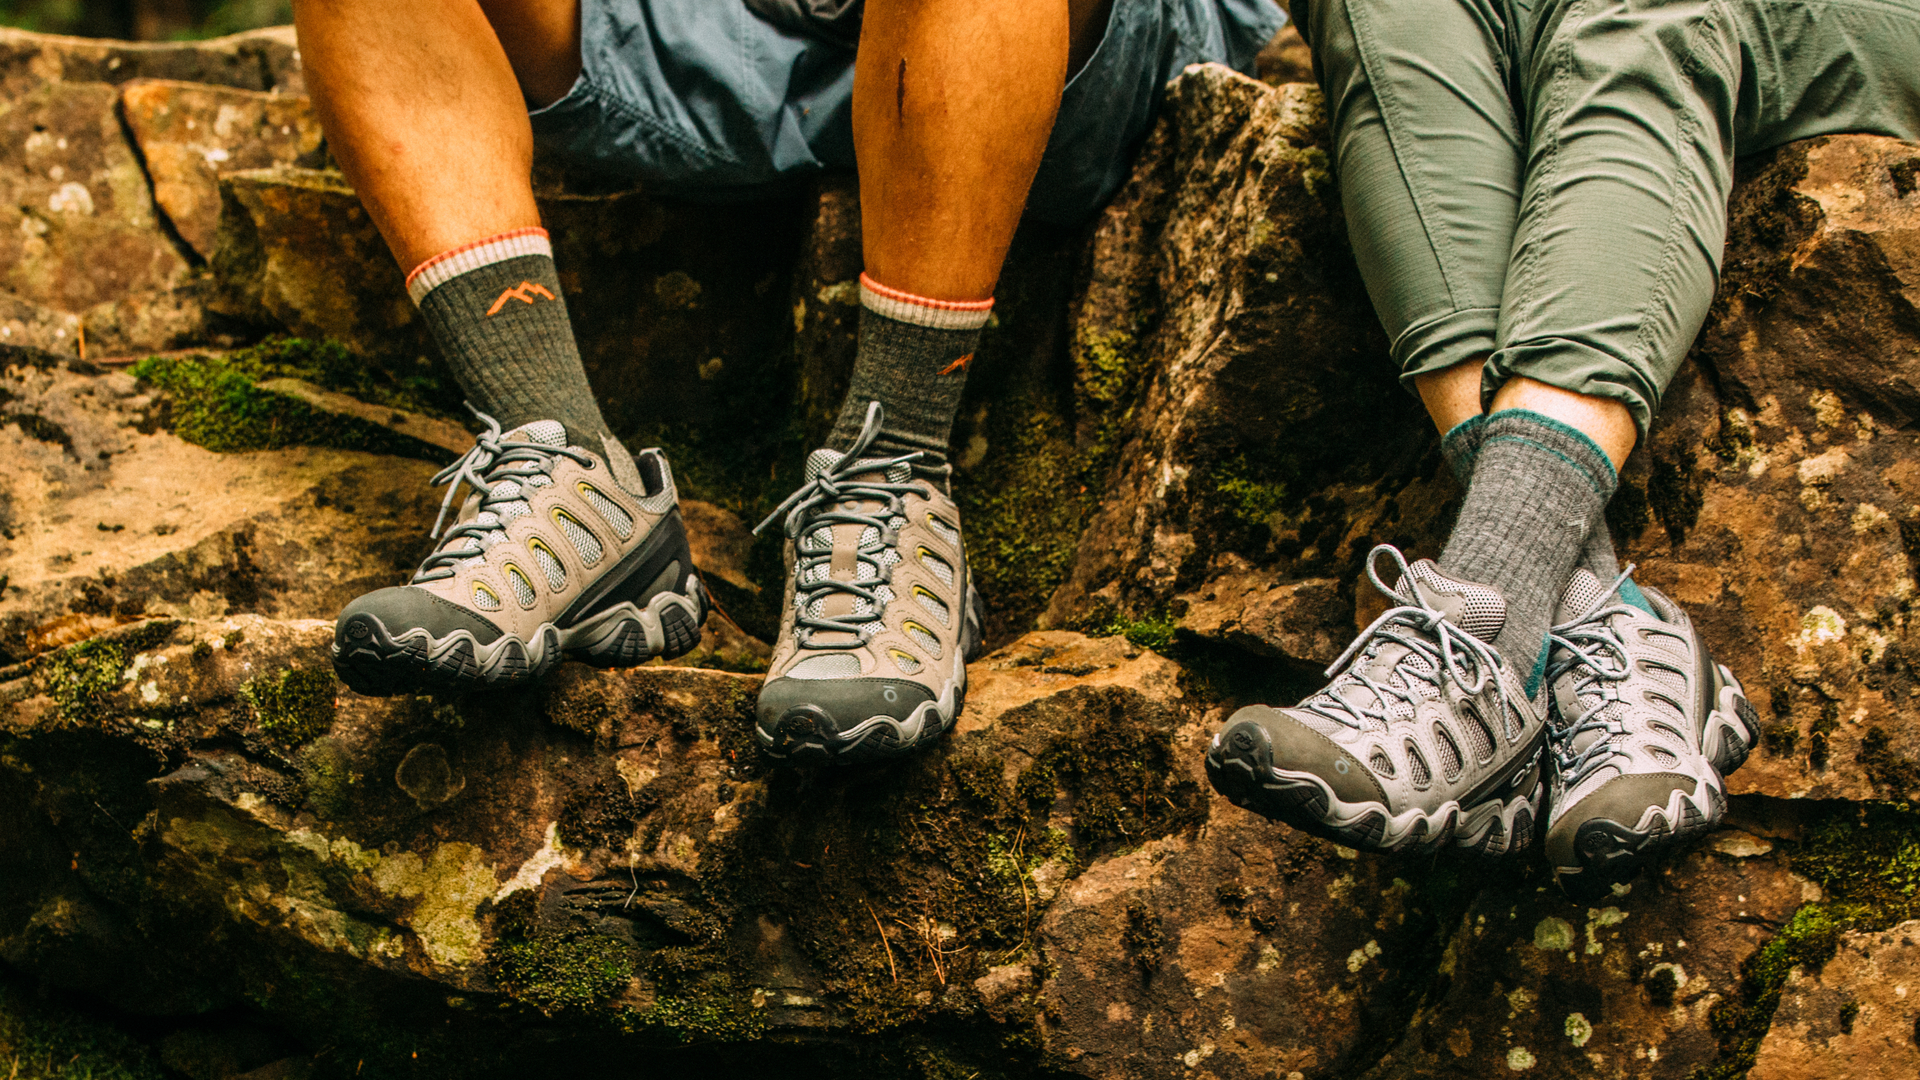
(504, 330)
(1538, 489)
(1461, 445)
(916, 373)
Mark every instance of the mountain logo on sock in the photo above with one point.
(523, 292)
(957, 365)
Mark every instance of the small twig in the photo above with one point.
(83, 339)
(631, 876)
(882, 931)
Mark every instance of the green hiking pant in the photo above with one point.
(1544, 183)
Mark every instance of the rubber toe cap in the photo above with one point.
(403, 608)
(1621, 801)
(1299, 748)
(828, 708)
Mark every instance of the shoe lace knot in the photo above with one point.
(1591, 649)
(1444, 650)
(847, 490)
(500, 469)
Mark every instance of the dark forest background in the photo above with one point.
(145, 20)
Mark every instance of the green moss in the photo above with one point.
(1245, 493)
(1023, 526)
(291, 707)
(40, 1041)
(1153, 631)
(1866, 858)
(561, 972)
(80, 677)
(218, 404)
(719, 1017)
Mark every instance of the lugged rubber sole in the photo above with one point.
(379, 663)
(1610, 853)
(1240, 766)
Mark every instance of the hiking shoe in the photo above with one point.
(880, 616)
(559, 551)
(1645, 726)
(1425, 735)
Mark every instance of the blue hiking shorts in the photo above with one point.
(704, 99)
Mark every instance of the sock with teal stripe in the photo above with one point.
(1538, 489)
(1461, 446)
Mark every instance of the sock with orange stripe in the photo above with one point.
(495, 309)
(913, 359)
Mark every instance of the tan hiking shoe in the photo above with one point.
(560, 551)
(880, 615)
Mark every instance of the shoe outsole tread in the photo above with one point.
(380, 665)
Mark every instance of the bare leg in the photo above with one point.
(953, 102)
(423, 109)
(1453, 394)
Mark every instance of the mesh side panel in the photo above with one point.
(505, 489)
(924, 638)
(1449, 752)
(484, 599)
(550, 569)
(866, 572)
(537, 481)
(939, 567)
(1381, 763)
(1515, 725)
(884, 592)
(869, 537)
(1583, 592)
(934, 607)
(1482, 611)
(1663, 729)
(815, 573)
(544, 432)
(888, 557)
(819, 541)
(827, 666)
(1478, 735)
(522, 588)
(620, 520)
(897, 523)
(512, 510)
(583, 541)
(821, 460)
(943, 530)
(906, 662)
(1417, 767)
(1663, 757)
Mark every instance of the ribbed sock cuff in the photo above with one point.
(1561, 440)
(451, 263)
(922, 310)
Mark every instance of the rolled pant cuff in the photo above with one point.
(1576, 367)
(1440, 343)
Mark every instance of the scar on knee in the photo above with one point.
(900, 93)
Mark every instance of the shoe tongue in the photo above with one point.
(1477, 609)
(1583, 593)
(544, 432)
(826, 458)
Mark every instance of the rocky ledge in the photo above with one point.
(1182, 436)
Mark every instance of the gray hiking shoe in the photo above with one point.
(1645, 725)
(1425, 735)
(560, 551)
(880, 616)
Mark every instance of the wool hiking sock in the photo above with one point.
(1538, 489)
(1459, 447)
(495, 309)
(913, 360)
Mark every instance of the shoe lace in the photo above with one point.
(1588, 646)
(833, 498)
(1465, 660)
(493, 459)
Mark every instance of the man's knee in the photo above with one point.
(542, 42)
